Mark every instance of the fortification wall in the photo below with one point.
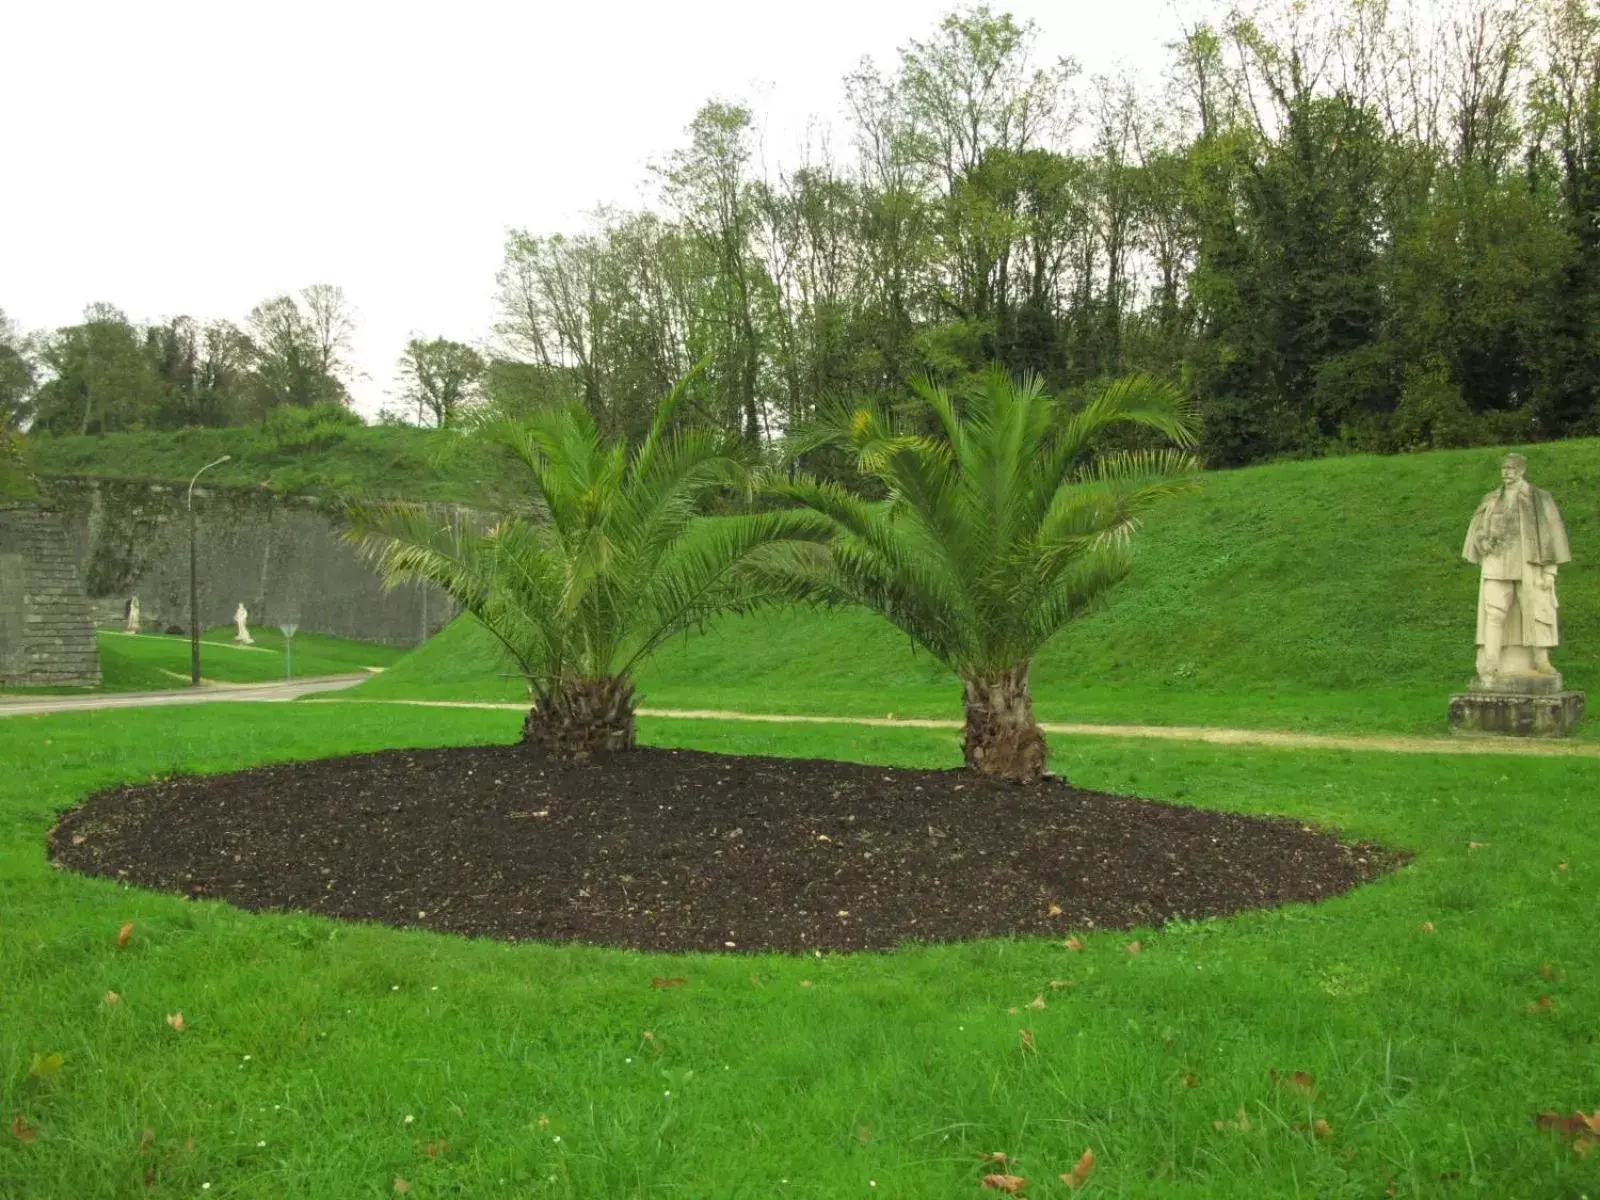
(46, 634)
(282, 557)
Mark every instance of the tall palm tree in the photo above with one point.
(998, 528)
(609, 558)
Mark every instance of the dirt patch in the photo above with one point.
(686, 850)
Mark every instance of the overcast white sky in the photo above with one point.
(199, 157)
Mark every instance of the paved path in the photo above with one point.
(1181, 733)
(35, 705)
(19, 706)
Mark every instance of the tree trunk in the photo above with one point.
(581, 718)
(1002, 738)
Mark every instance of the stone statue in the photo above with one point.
(1518, 539)
(132, 616)
(240, 616)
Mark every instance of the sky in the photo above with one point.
(197, 158)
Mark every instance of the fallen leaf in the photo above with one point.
(1036, 1003)
(863, 1134)
(805, 983)
(78, 839)
(1012, 1011)
(1241, 1121)
(544, 1121)
(176, 1021)
(1012, 1185)
(434, 1149)
(1074, 944)
(1135, 946)
(1058, 984)
(1542, 1004)
(400, 1185)
(45, 1065)
(1299, 1081)
(124, 934)
(1053, 911)
(674, 981)
(1570, 1126)
(1549, 971)
(22, 1131)
(1190, 1080)
(1476, 845)
(188, 1146)
(113, 999)
(1562, 867)
(756, 980)
(1079, 1175)
(146, 1137)
(1427, 927)
(1027, 1040)
(150, 1177)
(1321, 1129)
(999, 1158)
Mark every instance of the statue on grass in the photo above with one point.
(131, 616)
(1518, 539)
(242, 634)
(1519, 542)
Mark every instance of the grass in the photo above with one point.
(385, 461)
(152, 662)
(325, 1060)
(1323, 596)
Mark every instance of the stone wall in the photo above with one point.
(46, 633)
(282, 557)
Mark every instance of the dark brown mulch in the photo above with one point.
(684, 850)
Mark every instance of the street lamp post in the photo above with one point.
(194, 586)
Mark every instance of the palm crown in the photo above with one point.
(997, 529)
(608, 557)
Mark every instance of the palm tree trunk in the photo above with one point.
(580, 718)
(1002, 738)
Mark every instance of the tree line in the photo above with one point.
(1340, 226)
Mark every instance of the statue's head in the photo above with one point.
(1513, 468)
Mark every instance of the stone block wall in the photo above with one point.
(284, 558)
(46, 629)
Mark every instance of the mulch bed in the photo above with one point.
(684, 850)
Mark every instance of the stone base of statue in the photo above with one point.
(1518, 700)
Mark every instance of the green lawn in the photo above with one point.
(327, 1060)
(150, 662)
(1326, 596)
(390, 461)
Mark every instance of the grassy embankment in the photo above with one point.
(326, 1060)
(150, 662)
(1324, 595)
(324, 460)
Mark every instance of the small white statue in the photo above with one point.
(132, 616)
(242, 637)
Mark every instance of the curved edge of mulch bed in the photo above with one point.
(683, 850)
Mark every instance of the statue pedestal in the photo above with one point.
(1502, 707)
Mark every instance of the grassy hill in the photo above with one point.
(1325, 595)
(322, 460)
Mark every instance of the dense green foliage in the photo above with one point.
(1339, 225)
(1324, 595)
(324, 1059)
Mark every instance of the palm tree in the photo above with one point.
(998, 529)
(609, 559)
